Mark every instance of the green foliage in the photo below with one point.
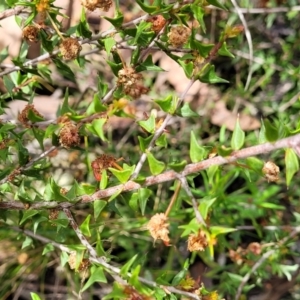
(201, 179)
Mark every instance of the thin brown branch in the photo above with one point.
(96, 37)
(264, 257)
(290, 142)
(99, 260)
(11, 12)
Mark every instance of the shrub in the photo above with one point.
(136, 211)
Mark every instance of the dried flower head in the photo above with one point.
(23, 115)
(72, 260)
(103, 162)
(93, 4)
(255, 248)
(30, 33)
(158, 228)
(178, 36)
(236, 256)
(85, 263)
(197, 242)
(69, 48)
(271, 171)
(131, 82)
(13, 174)
(68, 135)
(53, 214)
(158, 23)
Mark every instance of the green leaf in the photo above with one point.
(83, 29)
(292, 165)
(178, 166)
(85, 226)
(117, 21)
(149, 124)
(199, 14)
(103, 180)
(217, 4)
(188, 68)
(156, 166)
(186, 112)
(123, 175)
(39, 135)
(162, 141)
(147, 8)
(115, 67)
(208, 75)
(34, 117)
(168, 104)
(109, 43)
(238, 136)
(48, 248)
(9, 85)
(255, 164)
(98, 207)
(144, 142)
(65, 106)
(97, 275)
(224, 51)
(64, 69)
(148, 65)
(271, 132)
(98, 125)
(34, 296)
(28, 242)
(216, 230)
(126, 268)
(144, 195)
(28, 214)
(23, 154)
(96, 106)
(205, 205)
(178, 277)
(202, 48)
(133, 201)
(197, 153)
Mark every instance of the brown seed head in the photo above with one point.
(271, 171)
(53, 214)
(158, 228)
(69, 48)
(23, 115)
(255, 248)
(158, 22)
(103, 162)
(93, 4)
(178, 36)
(30, 33)
(197, 242)
(68, 135)
(131, 82)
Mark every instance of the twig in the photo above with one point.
(100, 260)
(194, 202)
(31, 162)
(262, 259)
(270, 10)
(85, 41)
(289, 142)
(159, 132)
(249, 40)
(11, 12)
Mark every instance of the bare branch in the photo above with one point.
(290, 142)
(262, 260)
(11, 12)
(100, 260)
